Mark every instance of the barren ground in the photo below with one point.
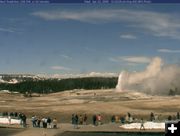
(106, 102)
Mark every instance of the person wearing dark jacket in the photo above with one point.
(94, 120)
(76, 119)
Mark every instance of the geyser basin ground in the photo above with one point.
(107, 102)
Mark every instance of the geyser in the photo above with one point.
(119, 85)
(121, 80)
(155, 79)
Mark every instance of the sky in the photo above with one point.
(77, 39)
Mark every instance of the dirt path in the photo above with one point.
(69, 128)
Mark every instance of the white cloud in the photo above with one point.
(136, 59)
(155, 23)
(99, 74)
(131, 59)
(60, 68)
(6, 30)
(66, 57)
(128, 36)
(168, 51)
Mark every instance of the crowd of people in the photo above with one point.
(82, 120)
(78, 120)
(20, 116)
(177, 117)
(45, 122)
(123, 119)
(97, 119)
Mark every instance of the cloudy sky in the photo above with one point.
(62, 39)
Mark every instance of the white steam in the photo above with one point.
(155, 79)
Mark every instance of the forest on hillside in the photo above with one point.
(55, 85)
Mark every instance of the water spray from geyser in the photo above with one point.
(121, 79)
(155, 79)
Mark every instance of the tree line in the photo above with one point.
(55, 85)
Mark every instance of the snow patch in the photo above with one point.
(147, 125)
(5, 91)
(5, 120)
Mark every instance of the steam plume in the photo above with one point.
(155, 79)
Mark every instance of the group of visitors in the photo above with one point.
(81, 120)
(122, 119)
(117, 119)
(177, 117)
(45, 122)
(14, 115)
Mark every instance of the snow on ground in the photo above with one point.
(147, 125)
(5, 91)
(6, 120)
(12, 81)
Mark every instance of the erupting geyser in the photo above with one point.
(155, 79)
(121, 81)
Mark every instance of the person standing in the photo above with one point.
(178, 116)
(117, 119)
(33, 119)
(142, 124)
(94, 120)
(49, 122)
(38, 122)
(24, 120)
(44, 122)
(76, 121)
(80, 119)
(152, 117)
(99, 119)
(85, 119)
(113, 118)
(54, 123)
(73, 120)
(9, 119)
